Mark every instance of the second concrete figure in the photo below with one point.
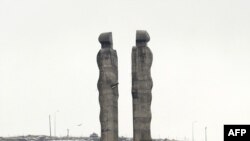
(142, 84)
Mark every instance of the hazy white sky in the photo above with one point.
(200, 70)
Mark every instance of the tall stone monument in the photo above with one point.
(108, 88)
(142, 84)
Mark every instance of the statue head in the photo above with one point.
(106, 40)
(142, 38)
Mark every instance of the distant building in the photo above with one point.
(94, 137)
(125, 139)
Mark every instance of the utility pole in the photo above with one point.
(49, 126)
(206, 133)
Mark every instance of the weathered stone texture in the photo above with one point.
(108, 88)
(142, 84)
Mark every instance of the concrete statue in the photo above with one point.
(142, 84)
(108, 88)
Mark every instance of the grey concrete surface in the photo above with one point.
(142, 84)
(108, 88)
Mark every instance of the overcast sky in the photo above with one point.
(200, 69)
